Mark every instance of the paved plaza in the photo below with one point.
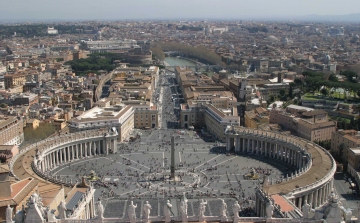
(141, 169)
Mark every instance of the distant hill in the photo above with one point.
(332, 18)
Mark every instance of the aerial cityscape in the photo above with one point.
(153, 116)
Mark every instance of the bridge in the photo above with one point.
(195, 68)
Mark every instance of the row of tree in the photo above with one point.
(158, 53)
(95, 62)
(200, 53)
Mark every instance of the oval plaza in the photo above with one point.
(306, 193)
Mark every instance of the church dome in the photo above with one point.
(272, 38)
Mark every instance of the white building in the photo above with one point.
(52, 31)
(120, 117)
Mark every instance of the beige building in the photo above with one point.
(192, 114)
(215, 120)
(120, 117)
(256, 117)
(32, 123)
(312, 125)
(59, 124)
(11, 130)
(354, 164)
(273, 89)
(145, 116)
(14, 80)
(343, 140)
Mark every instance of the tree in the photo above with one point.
(298, 82)
(282, 92)
(333, 78)
(324, 91)
(351, 76)
(158, 53)
(291, 90)
(343, 124)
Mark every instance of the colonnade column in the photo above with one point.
(72, 152)
(310, 199)
(316, 198)
(227, 143)
(243, 145)
(266, 148)
(53, 159)
(45, 163)
(237, 144)
(61, 156)
(252, 145)
(42, 166)
(69, 158)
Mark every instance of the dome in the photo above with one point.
(356, 36)
(327, 59)
(315, 47)
(222, 71)
(272, 38)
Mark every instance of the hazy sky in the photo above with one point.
(170, 9)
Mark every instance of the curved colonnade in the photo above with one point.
(57, 152)
(60, 150)
(311, 183)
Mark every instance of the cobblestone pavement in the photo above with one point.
(141, 170)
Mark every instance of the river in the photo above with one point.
(174, 61)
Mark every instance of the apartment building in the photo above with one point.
(12, 80)
(354, 163)
(11, 130)
(312, 125)
(26, 99)
(273, 89)
(145, 116)
(343, 140)
(256, 117)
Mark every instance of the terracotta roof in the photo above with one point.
(19, 191)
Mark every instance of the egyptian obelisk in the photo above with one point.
(172, 167)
